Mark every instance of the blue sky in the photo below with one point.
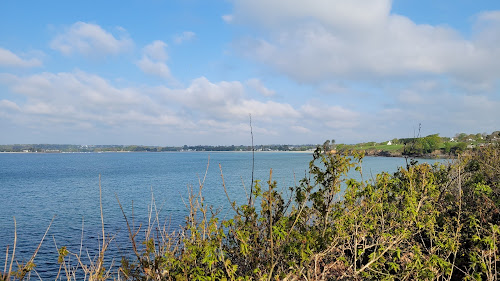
(191, 72)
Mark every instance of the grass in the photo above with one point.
(383, 147)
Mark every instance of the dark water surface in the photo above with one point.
(36, 187)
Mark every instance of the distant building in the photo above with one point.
(389, 143)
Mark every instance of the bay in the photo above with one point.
(35, 188)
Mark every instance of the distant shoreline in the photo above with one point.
(444, 157)
(81, 152)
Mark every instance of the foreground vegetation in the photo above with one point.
(421, 223)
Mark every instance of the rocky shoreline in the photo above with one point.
(437, 154)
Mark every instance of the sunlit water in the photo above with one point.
(34, 188)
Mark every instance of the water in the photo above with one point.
(35, 188)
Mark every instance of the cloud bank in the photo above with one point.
(9, 59)
(90, 40)
(153, 61)
(363, 40)
(348, 70)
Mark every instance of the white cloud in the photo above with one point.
(9, 59)
(257, 85)
(185, 36)
(334, 88)
(436, 107)
(361, 40)
(90, 40)
(335, 116)
(156, 68)
(81, 101)
(156, 51)
(153, 61)
(227, 100)
(228, 18)
(75, 96)
(205, 112)
(300, 129)
(204, 93)
(411, 97)
(268, 110)
(360, 14)
(9, 105)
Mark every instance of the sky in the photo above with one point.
(170, 73)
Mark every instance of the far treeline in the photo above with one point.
(55, 148)
(429, 146)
